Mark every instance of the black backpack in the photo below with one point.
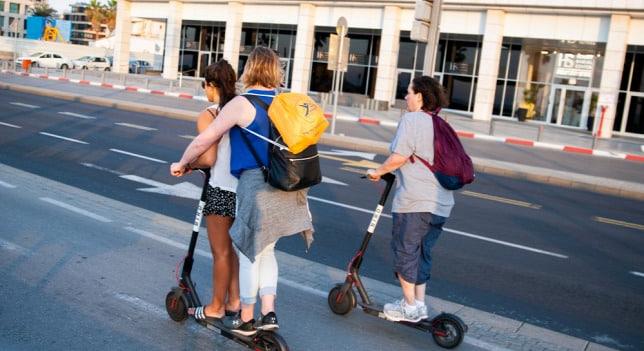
(285, 171)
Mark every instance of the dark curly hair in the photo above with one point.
(222, 76)
(434, 96)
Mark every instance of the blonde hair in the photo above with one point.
(263, 68)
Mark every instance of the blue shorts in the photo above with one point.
(414, 236)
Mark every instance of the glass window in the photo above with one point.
(321, 50)
(285, 41)
(440, 56)
(628, 62)
(635, 123)
(461, 56)
(406, 54)
(515, 56)
(206, 38)
(503, 61)
(188, 62)
(359, 49)
(508, 102)
(191, 37)
(1, 22)
(637, 82)
(458, 91)
(1, 6)
(355, 80)
(619, 112)
(321, 78)
(498, 97)
(14, 8)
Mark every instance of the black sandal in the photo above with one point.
(200, 316)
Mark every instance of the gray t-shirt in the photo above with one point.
(417, 190)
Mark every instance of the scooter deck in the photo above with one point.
(377, 310)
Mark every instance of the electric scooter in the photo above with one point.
(185, 296)
(447, 329)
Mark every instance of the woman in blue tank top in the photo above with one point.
(264, 214)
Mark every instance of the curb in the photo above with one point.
(361, 120)
(535, 174)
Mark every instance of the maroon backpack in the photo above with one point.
(452, 166)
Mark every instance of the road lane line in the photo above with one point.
(10, 125)
(501, 199)
(457, 232)
(91, 165)
(639, 274)
(137, 155)
(166, 241)
(77, 115)
(135, 126)
(619, 223)
(190, 137)
(505, 243)
(24, 105)
(75, 209)
(63, 138)
(7, 185)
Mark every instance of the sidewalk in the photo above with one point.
(600, 178)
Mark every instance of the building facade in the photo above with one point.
(13, 14)
(564, 62)
(82, 32)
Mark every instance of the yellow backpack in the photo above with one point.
(298, 119)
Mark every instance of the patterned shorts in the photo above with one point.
(219, 202)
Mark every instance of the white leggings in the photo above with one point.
(262, 275)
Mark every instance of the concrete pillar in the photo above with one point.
(489, 65)
(386, 77)
(122, 37)
(304, 42)
(233, 33)
(172, 40)
(612, 70)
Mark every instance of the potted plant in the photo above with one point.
(527, 106)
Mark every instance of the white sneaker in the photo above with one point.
(399, 311)
(422, 311)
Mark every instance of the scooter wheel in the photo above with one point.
(269, 341)
(341, 305)
(447, 332)
(176, 307)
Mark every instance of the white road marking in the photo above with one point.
(10, 125)
(332, 181)
(24, 105)
(135, 126)
(639, 274)
(185, 189)
(12, 247)
(63, 138)
(190, 137)
(349, 153)
(75, 209)
(482, 344)
(91, 165)
(7, 185)
(457, 232)
(77, 115)
(166, 241)
(137, 155)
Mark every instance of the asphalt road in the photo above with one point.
(527, 251)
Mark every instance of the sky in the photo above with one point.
(63, 5)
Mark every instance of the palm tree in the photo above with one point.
(109, 15)
(95, 15)
(43, 10)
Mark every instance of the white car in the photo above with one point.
(92, 62)
(46, 59)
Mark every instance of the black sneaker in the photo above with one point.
(268, 322)
(237, 326)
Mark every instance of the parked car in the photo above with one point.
(139, 66)
(92, 62)
(46, 59)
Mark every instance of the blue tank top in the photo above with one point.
(241, 157)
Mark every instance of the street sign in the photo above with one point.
(333, 53)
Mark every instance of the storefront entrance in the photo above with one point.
(569, 106)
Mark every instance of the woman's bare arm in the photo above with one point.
(208, 158)
(238, 111)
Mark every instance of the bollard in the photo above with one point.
(323, 105)
(491, 131)
(46, 71)
(595, 140)
(82, 74)
(540, 133)
(103, 77)
(361, 110)
(147, 83)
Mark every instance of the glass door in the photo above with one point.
(633, 120)
(568, 107)
(404, 79)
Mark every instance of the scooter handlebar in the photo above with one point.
(387, 177)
